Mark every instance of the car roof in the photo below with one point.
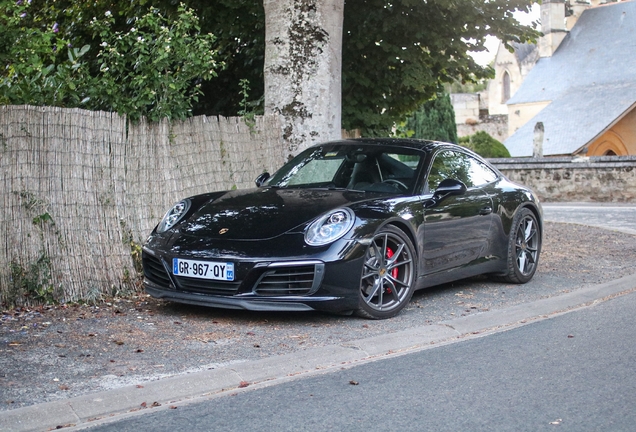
(424, 145)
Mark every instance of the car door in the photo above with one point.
(456, 226)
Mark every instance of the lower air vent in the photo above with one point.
(292, 280)
(205, 286)
(154, 270)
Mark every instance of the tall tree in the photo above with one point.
(303, 46)
(398, 53)
(434, 120)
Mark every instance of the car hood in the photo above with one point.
(263, 213)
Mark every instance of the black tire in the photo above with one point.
(388, 275)
(524, 247)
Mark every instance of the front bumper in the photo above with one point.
(261, 285)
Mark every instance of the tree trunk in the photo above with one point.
(303, 62)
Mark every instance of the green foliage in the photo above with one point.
(396, 55)
(135, 254)
(485, 145)
(248, 109)
(32, 281)
(150, 65)
(40, 66)
(435, 120)
(151, 69)
(466, 87)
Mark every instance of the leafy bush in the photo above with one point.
(485, 145)
(40, 67)
(153, 67)
(149, 70)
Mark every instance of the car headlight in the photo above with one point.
(173, 215)
(329, 227)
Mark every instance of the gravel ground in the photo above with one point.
(58, 352)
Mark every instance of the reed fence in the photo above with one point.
(81, 190)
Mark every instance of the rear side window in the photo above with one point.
(480, 174)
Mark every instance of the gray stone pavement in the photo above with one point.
(91, 409)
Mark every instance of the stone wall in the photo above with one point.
(466, 106)
(594, 179)
(495, 125)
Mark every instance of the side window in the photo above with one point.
(449, 164)
(481, 174)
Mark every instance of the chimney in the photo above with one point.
(552, 26)
(574, 9)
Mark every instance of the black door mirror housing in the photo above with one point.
(262, 178)
(449, 187)
(446, 188)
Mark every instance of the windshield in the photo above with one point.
(370, 168)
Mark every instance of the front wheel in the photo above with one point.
(388, 275)
(524, 247)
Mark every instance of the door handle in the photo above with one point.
(485, 211)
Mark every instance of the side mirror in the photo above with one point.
(262, 178)
(449, 187)
(446, 187)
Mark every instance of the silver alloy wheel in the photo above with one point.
(524, 248)
(388, 274)
(527, 245)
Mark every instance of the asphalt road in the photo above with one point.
(617, 217)
(573, 372)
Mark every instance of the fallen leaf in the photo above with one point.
(140, 386)
(143, 405)
(243, 384)
(173, 407)
(251, 334)
(118, 342)
(352, 382)
(14, 343)
(570, 336)
(156, 404)
(63, 387)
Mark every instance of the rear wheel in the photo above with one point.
(524, 247)
(388, 274)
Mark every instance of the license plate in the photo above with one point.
(203, 269)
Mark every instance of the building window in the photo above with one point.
(505, 91)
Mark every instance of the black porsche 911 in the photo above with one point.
(347, 226)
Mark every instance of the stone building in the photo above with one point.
(510, 70)
(583, 87)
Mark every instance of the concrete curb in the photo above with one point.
(81, 411)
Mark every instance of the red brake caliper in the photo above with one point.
(394, 272)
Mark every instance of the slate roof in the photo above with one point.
(590, 81)
(523, 50)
